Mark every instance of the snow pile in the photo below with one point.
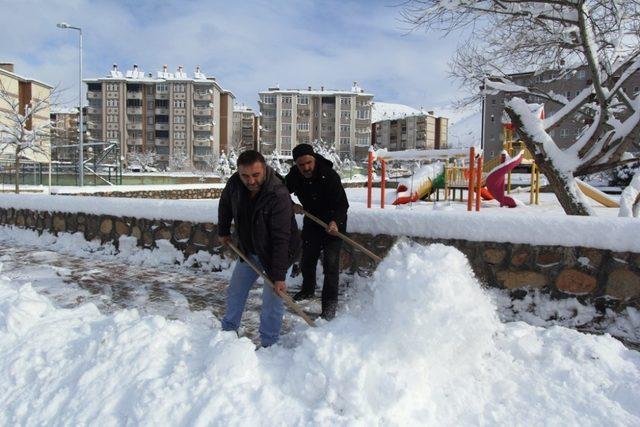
(422, 344)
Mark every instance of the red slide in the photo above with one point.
(495, 180)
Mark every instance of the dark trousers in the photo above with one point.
(314, 241)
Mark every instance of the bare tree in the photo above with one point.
(179, 159)
(553, 39)
(145, 160)
(21, 134)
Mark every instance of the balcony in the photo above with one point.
(202, 96)
(93, 125)
(162, 126)
(199, 140)
(134, 95)
(134, 141)
(94, 110)
(162, 95)
(162, 141)
(162, 111)
(94, 95)
(134, 110)
(203, 127)
(134, 126)
(202, 111)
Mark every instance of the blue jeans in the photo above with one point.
(241, 282)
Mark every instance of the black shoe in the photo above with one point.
(329, 310)
(303, 295)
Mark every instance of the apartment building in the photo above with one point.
(171, 113)
(245, 128)
(294, 116)
(569, 87)
(399, 127)
(23, 91)
(64, 132)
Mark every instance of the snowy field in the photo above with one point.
(92, 335)
(419, 343)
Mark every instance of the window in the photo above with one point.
(150, 120)
(178, 87)
(149, 90)
(162, 149)
(201, 151)
(285, 113)
(303, 126)
(345, 128)
(345, 102)
(345, 140)
(286, 99)
(303, 100)
(268, 99)
(162, 134)
(286, 127)
(178, 119)
(178, 103)
(162, 103)
(162, 87)
(286, 142)
(363, 114)
(362, 142)
(150, 104)
(178, 135)
(345, 114)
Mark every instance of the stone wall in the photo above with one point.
(192, 193)
(564, 271)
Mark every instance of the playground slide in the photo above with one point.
(422, 184)
(496, 178)
(596, 194)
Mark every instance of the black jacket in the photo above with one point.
(276, 240)
(321, 195)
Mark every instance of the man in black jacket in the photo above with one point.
(319, 189)
(258, 202)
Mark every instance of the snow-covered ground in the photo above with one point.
(419, 343)
(90, 334)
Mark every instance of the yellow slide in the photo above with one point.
(596, 194)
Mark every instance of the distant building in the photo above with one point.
(569, 87)
(399, 127)
(64, 133)
(24, 90)
(294, 116)
(246, 128)
(167, 113)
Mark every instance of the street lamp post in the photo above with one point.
(66, 26)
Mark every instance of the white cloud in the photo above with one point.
(248, 46)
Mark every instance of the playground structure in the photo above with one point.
(476, 179)
(423, 183)
(450, 175)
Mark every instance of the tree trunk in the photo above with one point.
(563, 188)
(17, 172)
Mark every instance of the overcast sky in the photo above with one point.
(247, 45)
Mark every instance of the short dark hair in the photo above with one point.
(249, 157)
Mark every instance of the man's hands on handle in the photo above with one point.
(281, 287)
(298, 209)
(332, 227)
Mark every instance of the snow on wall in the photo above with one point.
(617, 234)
